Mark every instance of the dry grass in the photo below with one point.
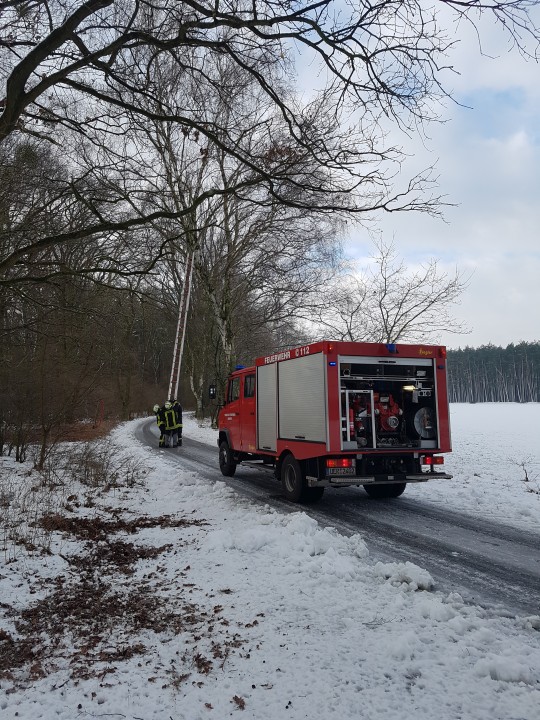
(86, 431)
(29, 498)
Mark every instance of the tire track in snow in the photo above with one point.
(488, 563)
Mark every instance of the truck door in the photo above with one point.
(231, 412)
(247, 424)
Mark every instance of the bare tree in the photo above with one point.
(388, 302)
(74, 67)
(256, 259)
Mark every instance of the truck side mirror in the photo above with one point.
(212, 392)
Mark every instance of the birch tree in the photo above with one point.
(257, 260)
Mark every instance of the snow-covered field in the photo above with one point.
(166, 596)
(496, 445)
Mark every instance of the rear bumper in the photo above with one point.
(345, 481)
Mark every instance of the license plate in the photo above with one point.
(341, 471)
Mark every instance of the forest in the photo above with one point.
(495, 374)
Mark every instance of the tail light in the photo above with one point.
(339, 462)
(433, 460)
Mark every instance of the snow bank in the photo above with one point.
(289, 618)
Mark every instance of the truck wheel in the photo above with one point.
(293, 482)
(392, 490)
(226, 459)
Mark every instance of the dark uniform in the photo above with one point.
(178, 409)
(172, 426)
(160, 419)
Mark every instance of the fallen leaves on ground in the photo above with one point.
(90, 617)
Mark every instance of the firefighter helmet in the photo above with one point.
(168, 405)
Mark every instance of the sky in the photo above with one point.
(271, 615)
(488, 164)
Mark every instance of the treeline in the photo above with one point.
(74, 350)
(495, 374)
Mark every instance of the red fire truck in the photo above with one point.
(334, 414)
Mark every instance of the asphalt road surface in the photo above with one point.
(487, 563)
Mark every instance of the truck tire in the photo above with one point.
(392, 490)
(293, 481)
(227, 464)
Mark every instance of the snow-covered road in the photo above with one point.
(486, 561)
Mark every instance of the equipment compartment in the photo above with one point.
(387, 403)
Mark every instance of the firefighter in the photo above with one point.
(178, 409)
(160, 419)
(172, 425)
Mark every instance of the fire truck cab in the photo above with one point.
(334, 414)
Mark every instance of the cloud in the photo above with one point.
(488, 154)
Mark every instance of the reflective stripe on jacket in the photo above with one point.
(171, 419)
(159, 418)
